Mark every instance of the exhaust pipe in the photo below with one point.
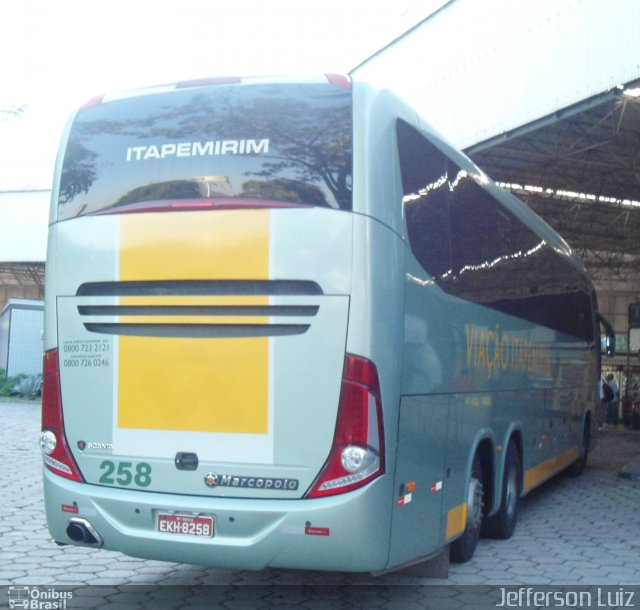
(80, 530)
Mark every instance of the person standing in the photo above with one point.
(605, 397)
(614, 404)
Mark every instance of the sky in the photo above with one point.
(57, 54)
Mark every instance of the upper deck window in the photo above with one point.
(476, 249)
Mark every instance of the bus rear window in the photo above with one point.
(287, 143)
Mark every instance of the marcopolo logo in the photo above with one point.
(229, 480)
(38, 598)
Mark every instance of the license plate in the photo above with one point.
(185, 525)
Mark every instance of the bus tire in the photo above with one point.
(503, 523)
(577, 468)
(463, 548)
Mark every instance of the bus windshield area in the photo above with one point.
(236, 146)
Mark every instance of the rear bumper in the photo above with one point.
(349, 532)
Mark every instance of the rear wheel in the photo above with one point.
(503, 523)
(463, 548)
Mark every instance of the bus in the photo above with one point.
(288, 325)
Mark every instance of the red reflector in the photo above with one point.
(339, 80)
(60, 461)
(317, 531)
(204, 82)
(94, 101)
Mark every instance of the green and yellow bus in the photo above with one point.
(287, 325)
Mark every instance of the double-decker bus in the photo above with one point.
(288, 325)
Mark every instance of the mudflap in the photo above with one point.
(435, 566)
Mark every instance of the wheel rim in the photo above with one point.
(475, 503)
(512, 492)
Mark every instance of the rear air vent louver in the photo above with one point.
(201, 288)
(195, 331)
(211, 320)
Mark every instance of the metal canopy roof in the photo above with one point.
(20, 276)
(492, 69)
(580, 170)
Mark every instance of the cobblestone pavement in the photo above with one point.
(583, 531)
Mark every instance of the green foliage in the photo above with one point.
(29, 386)
(7, 383)
(23, 386)
(11, 112)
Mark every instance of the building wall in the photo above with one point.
(21, 324)
(614, 298)
(24, 219)
(5, 319)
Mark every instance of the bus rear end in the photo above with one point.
(200, 404)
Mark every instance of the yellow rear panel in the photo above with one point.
(215, 385)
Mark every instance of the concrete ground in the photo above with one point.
(582, 532)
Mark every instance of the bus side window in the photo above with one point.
(476, 249)
(425, 184)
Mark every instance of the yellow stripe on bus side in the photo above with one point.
(194, 384)
(540, 473)
(456, 520)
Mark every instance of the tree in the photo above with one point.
(12, 112)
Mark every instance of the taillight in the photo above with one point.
(357, 453)
(339, 80)
(92, 103)
(53, 443)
